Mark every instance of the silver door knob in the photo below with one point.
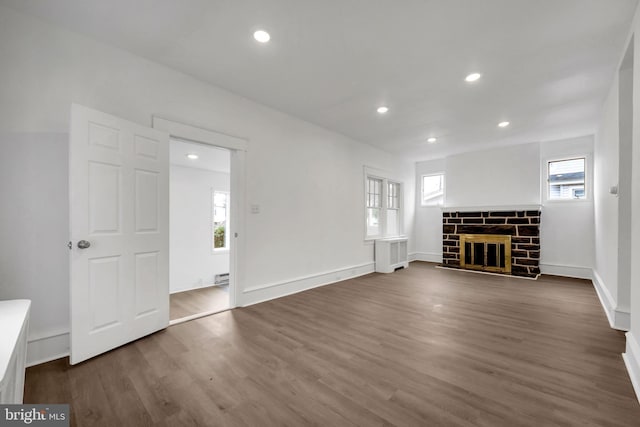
(83, 244)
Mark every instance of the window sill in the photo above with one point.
(220, 251)
(373, 239)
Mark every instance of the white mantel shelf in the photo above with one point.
(491, 208)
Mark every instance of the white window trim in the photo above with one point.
(386, 178)
(588, 181)
(444, 189)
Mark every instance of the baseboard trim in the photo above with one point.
(177, 291)
(567, 271)
(632, 361)
(426, 256)
(47, 348)
(196, 316)
(262, 293)
(618, 319)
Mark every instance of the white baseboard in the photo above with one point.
(618, 319)
(426, 256)
(632, 361)
(567, 271)
(47, 348)
(262, 293)
(192, 288)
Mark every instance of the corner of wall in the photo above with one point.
(632, 361)
(618, 319)
(47, 348)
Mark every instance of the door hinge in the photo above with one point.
(235, 234)
(69, 245)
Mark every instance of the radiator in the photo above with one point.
(391, 254)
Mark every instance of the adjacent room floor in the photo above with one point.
(418, 347)
(196, 301)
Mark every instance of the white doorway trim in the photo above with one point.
(237, 147)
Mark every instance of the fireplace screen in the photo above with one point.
(487, 252)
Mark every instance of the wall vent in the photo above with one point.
(221, 279)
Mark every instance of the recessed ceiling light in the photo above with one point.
(431, 140)
(261, 36)
(382, 109)
(192, 156)
(503, 124)
(472, 77)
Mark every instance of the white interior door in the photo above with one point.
(119, 208)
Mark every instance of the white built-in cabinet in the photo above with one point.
(14, 322)
(391, 254)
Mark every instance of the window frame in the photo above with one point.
(398, 209)
(386, 179)
(422, 201)
(227, 237)
(588, 184)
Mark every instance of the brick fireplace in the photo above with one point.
(522, 225)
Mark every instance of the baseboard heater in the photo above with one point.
(221, 279)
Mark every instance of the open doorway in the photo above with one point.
(200, 207)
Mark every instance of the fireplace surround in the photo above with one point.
(523, 227)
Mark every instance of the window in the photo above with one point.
(374, 205)
(566, 179)
(393, 208)
(220, 220)
(433, 190)
(383, 199)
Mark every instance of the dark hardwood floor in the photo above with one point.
(196, 301)
(419, 347)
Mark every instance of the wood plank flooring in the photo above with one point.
(419, 347)
(196, 301)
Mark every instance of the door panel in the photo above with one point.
(104, 198)
(146, 201)
(104, 292)
(119, 203)
(146, 276)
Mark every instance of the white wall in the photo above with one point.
(614, 217)
(428, 222)
(496, 177)
(307, 180)
(605, 269)
(566, 227)
(193, 262)
(614, 146)
(34, 212)
(632, 354)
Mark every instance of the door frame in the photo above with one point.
(237, 147)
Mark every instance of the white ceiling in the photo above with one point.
(546, 64)
(209, 158)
